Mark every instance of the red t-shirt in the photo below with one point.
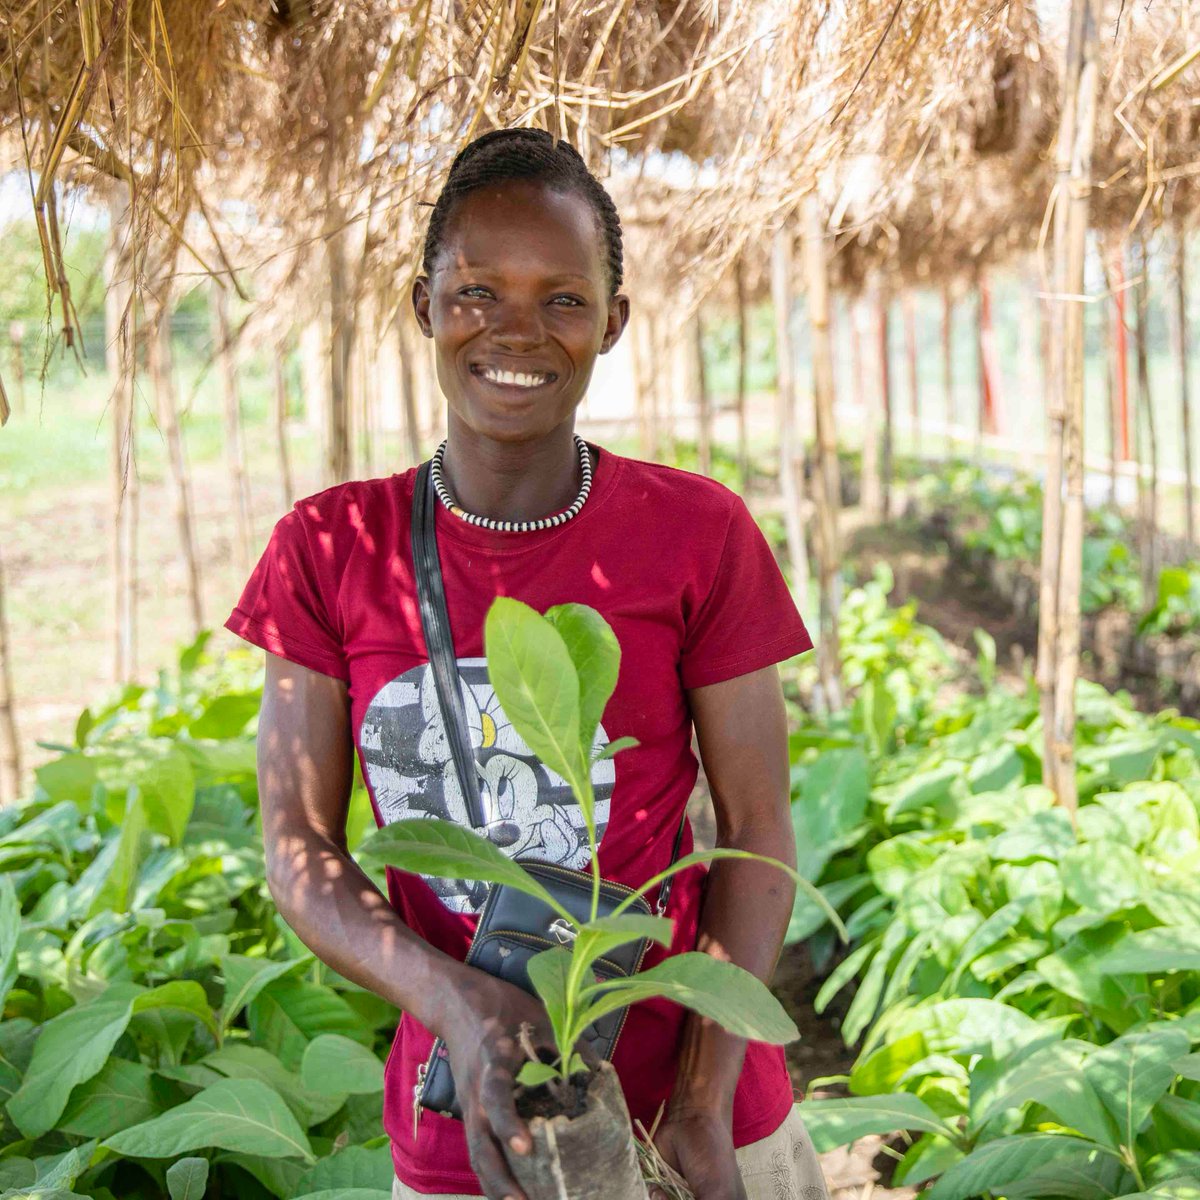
(676, 565)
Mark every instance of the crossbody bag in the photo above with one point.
(513, 926)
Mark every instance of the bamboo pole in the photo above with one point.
(10, 743)
(1148, 516)
(883, 347)
(1110, 388)
(1062, 534)
(235, 443)
(280, 413)
(119, 354)
(163, 383)
(337, 433)
(948, 364)
(408, 390)
(910, 354)
(872, 485)
(739, 278)
(988, 367)
(703, 399)
(826, 477)
(789, 476)
(1182, 352)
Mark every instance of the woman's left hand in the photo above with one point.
(699, 1145)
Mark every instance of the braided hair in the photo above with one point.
(525, 154)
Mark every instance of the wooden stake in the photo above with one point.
(10, 744)
(408, 387)
(119, 326)
(235, 444)
(910, 353)
(162, 381)
(739, 278)
(703, 400)
(948, 365)
(872, 484)
(287, 487)
(1148, 515)
(1182, 351)
(789, 475)
(341, 329)
(1062, 533)
(883, 347)
(826, 476)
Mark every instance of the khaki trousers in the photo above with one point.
(782, 1166)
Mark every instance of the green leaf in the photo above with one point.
(535, 680)
(1103, 875)
(593, 648)
(227, 715)
(549, 972)
(533, 1074)
(1152, 950)
(832, 802)
(995, 1165)
(896, 862)
(600, 937)
(122, 1094)
(930, 1156)
(704, 856)
(10, 931)
(436, 847)
(612, 749)
(354, 1167)
(333, 1063)
(349, 1194)
(840, 1121)
(187, 1179)
(71, 1048)
(1045, 834)
(161, 772)
(235, 1114)
(246, 977)
(70, 777)
(289, 1013)
(239, 1060)
(735, 999)
(1053, 1077)
(1130, 1075)
(115, 893)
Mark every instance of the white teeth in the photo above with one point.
(513, 378)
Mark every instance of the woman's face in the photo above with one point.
(518, 307)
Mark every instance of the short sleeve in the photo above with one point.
(748, 619)
(286, 604)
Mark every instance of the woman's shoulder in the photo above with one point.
(675, 491)
(350, 504)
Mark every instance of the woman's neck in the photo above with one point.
(512, 481)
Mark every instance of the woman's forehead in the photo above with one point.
(523, 225)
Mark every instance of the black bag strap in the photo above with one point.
(439, 644)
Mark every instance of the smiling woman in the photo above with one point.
(520, 293)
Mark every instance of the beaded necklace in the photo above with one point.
(439, 486)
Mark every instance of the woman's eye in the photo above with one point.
(475, 290)
(571, 301)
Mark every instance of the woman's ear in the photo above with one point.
(618, 318)
(421, 297)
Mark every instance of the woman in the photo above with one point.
(520, 293)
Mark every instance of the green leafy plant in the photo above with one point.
(1177, 609)
(553, 676)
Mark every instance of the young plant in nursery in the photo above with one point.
(553, 676)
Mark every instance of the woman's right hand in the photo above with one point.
(482, 1035)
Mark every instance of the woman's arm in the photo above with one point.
(741, 727)
(305, 763)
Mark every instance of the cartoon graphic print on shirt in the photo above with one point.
(530, 811)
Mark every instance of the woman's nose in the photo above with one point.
(517, 326)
